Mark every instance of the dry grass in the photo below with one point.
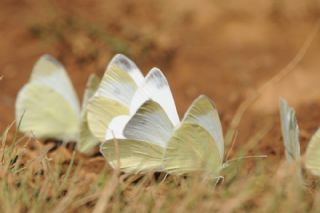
(34, 177)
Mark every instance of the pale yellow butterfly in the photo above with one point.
(47, 106)
(312, 156)
(290, 131)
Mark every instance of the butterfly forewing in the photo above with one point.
(120, 80)
(156, 87)
(49, 72)
(150, 123)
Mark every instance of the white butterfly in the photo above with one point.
(47, 107)
(122, 91)
(290, 131)
(155, 143)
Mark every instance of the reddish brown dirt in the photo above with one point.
(224, 50)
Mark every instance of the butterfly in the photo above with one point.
(47, 107)
(290, 131)
(312, 155)
(154, 143)
(122, 91)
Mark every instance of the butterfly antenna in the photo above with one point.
(232, 145)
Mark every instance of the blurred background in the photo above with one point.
(224, 49)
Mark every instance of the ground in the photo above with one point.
(226, 50)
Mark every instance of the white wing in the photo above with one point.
(120, 81)
(116, 127)
(204, 113)
(156, 88)
(290, 131)
(48, 71)
(151, 124)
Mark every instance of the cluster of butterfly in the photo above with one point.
(290, 132)
(133, 118)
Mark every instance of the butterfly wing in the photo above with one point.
(134, 156)
(192, 149)
(156, 87)
(114, 94)
(312, 156)
(148, 132)
(204, 113)
(87, 140)
(48, 71)
(290, 131)
(197, 145)
(116, 127)
(47, 107)
(91, 87)
(150, 123)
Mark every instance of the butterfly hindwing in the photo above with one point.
(134, 156)
(101, 111)
(192, 149)
(44, 113)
